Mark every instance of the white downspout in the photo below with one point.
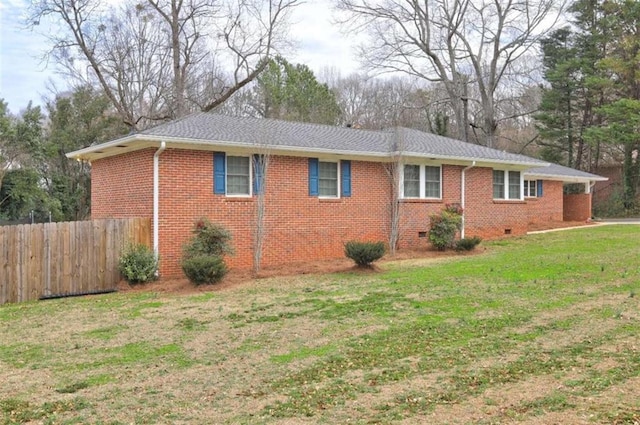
(156, 196)
(462, 195)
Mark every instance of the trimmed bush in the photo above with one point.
(138, 264)
(364, 253)
(210, 239)
(204, 269)
(467, 244)
(444, 226)
(203, 257)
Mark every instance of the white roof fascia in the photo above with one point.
(566, 179)
(92, 149)
(480, 162)
(210, 145)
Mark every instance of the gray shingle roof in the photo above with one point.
(422, 143)
(277, 133)
(213, 131)
(555, 170)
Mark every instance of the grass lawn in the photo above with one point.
(541, 329)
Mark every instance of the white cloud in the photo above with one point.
(321, 44)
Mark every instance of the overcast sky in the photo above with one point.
(24, 77)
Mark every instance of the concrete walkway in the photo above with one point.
(618, 220)
(595, 223)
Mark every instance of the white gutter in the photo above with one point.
(156, 196)
(462, 195)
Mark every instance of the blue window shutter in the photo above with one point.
(258, 174)
(219, 173)
(539, 183)
(313, 177)
(345, 171)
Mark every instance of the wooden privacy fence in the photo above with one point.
(40, 260)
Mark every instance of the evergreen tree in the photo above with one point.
(81, 119)
(292, 92)
(620, 68)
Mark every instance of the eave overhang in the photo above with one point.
(564, 179)
(137, 142)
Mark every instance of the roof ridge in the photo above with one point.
(290, 122)
(172, 121)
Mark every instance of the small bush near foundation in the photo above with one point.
(204, 269)
(467, 244)
(210, 239)
(444, 227)
(364, 253)
(138, 264)
(203, 257)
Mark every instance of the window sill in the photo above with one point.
(531, 198)
(420, 201)
(238, 199)
(508, 201)
(330, 200)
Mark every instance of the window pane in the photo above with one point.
(530, 188)
(514, 185)
(238, 180)
(328, 178)
(411, 181)
(432, 182)
(498, 184)
(237, 185)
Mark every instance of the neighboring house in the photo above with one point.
(607, 192)
(324, 185)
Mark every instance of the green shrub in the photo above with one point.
(138, 264)
(203, 257)
(467, 244)
(204, 269)
(444, 227)
(209, 239)
(364, 253)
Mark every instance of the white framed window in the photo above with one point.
(411, 182)
(530, 189)
(238, 176)
(421, 182)
(328, 179)
(507, 185)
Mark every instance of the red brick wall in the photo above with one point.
(577, 207)
(414, 214)
(549, 207)
(122, 186)
(298, 227)
(485, 217)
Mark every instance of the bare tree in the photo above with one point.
(393, 169)
(261, 170)
(460, 43)
(373, 102)
(161, 59)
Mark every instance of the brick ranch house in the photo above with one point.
(324, 185)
